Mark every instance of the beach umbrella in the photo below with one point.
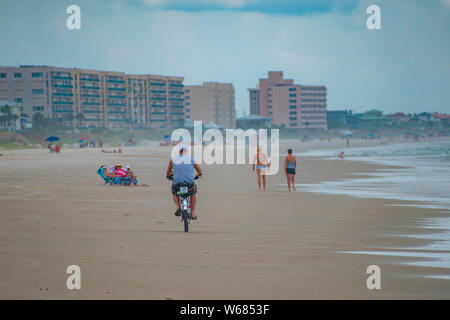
(166, 137)
(51, 139)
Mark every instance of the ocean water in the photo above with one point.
(423, 181)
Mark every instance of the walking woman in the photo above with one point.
(290, 163)
(261, 162)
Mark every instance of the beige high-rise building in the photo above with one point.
(103, 98)
(211, 102)
(289, 104)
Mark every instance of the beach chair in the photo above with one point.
(128, 181)
(102, 173)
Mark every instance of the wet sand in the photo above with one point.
(55, 212)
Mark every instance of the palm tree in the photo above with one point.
(69, 117)
(14, 118)
(80, 118)
(6, 115)
(38, 119)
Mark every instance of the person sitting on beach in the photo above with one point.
(129, 172)
(290, 163)
(50, 148)
(120, 172)
(111, 172)
(262, 164)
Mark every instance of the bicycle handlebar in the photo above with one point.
(195, 178)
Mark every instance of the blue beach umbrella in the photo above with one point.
(51, 139)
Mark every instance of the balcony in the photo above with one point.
(117, 112)
(61, 78)
(91, 111)
(116, 97)
(90, 79)
(89, 87)
(115, 81)
(62, 102)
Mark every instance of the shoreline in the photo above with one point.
(245, 245)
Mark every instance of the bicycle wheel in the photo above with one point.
(186, 222)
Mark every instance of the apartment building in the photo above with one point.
(289, 104)
(211, 102)
(104, 98)
(254, 101)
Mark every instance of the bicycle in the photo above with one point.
(184, 191)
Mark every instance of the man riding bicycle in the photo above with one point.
(183, 166)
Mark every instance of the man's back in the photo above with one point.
(183, 168)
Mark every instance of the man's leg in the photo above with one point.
(176, 199)
(288, 182)
(264, 182)
(193, 203)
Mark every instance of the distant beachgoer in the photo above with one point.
(262, 164)
(329, 138)
(290, 163)
(348, 141)
(111, 171)
(50, 148)
(341, 155)
(100, 143)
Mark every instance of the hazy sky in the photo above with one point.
(405, 66)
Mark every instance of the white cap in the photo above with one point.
(127, 167)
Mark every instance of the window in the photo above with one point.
(188, 103)
(292, 95)
(17, 75)
(187, 97)
(187, 110)
(38, 91)
(292, 101)
(293, 112)
(187, 91)
(2, 75)
(292, 89)
(18, 100)
(37, 75)
(293, 118)
(292, 107)
(38, 108)
(293, 124)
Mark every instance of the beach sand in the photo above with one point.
(55, 212)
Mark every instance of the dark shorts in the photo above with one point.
(192, 189)
(290, 171)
